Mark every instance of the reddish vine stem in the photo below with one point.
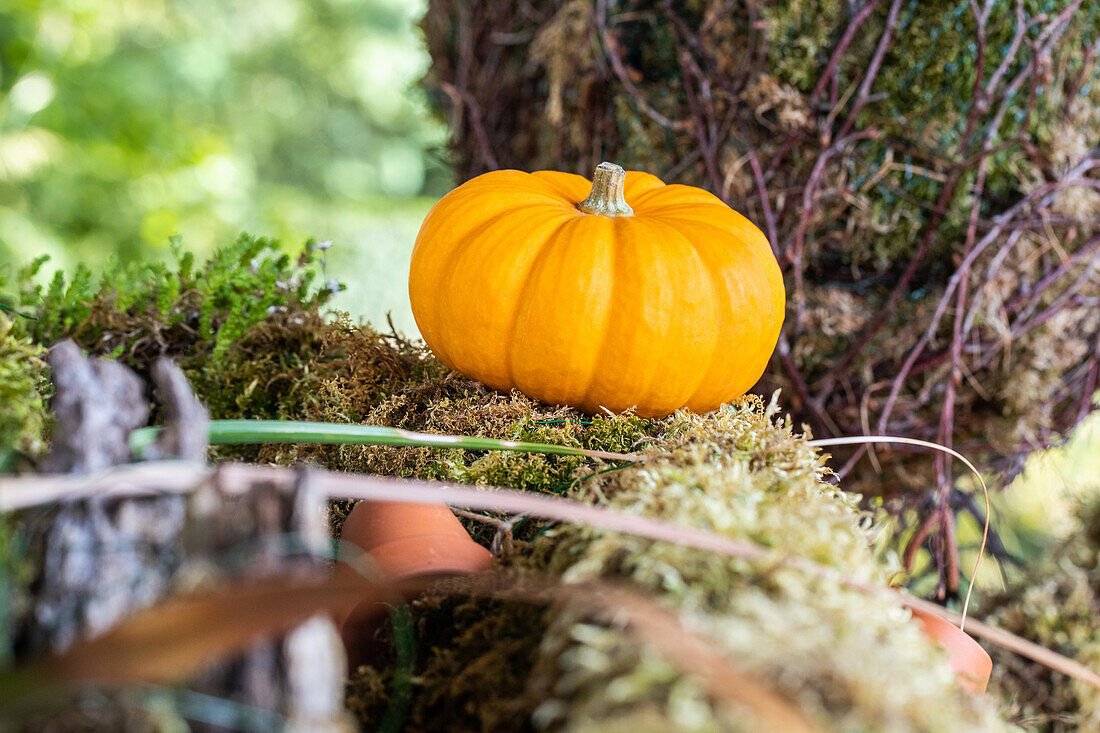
(1002, 221)
(916, 541)
(821, 420)
(1090, 387)
(950, 566)
(938, 559)
(462, 98)
(1048, 36)
(765, 204)
(864, 93)
(896, 294)
(1039, 197)
(707, 138)
(1067, 298)
(829, 74)
(1040, 287)
(951, 548)
(620, 70)
(794, 252)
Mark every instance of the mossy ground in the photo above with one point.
(850, 661)
(22, 388)
(739, 472)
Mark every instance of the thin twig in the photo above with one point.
(620, 71)
(376, 488)
(461, 96)
(842, 45)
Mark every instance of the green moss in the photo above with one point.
(922, 93)
(22, 388)
(135, 312)
(802, 34)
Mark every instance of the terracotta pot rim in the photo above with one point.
(371, 524)
(971, 662)
(419, 538)
(404, 558)
(399, 542)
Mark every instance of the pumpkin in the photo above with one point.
(623, 293)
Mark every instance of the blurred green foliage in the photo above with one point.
(125, 122)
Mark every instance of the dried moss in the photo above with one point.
(741, 473)
(297, 365)
(474, 657)
(476, 673)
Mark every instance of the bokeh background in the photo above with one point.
(125, 122)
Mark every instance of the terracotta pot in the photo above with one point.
(401, 541)
(971, 663)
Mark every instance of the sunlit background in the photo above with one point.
(124, 122)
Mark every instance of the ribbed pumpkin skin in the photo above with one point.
(677, 306)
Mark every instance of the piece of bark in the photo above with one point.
(186, 420)
(96, 404)
(100, 559)
(267, 529)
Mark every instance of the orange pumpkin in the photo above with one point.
(633, 294)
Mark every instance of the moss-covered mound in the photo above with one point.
(135, 312)
(851, 662)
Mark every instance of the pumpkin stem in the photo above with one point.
(606, 197)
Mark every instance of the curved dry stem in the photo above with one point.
(147, 479)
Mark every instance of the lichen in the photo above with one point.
(743, 474)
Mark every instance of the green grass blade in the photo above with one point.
(237, 432)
